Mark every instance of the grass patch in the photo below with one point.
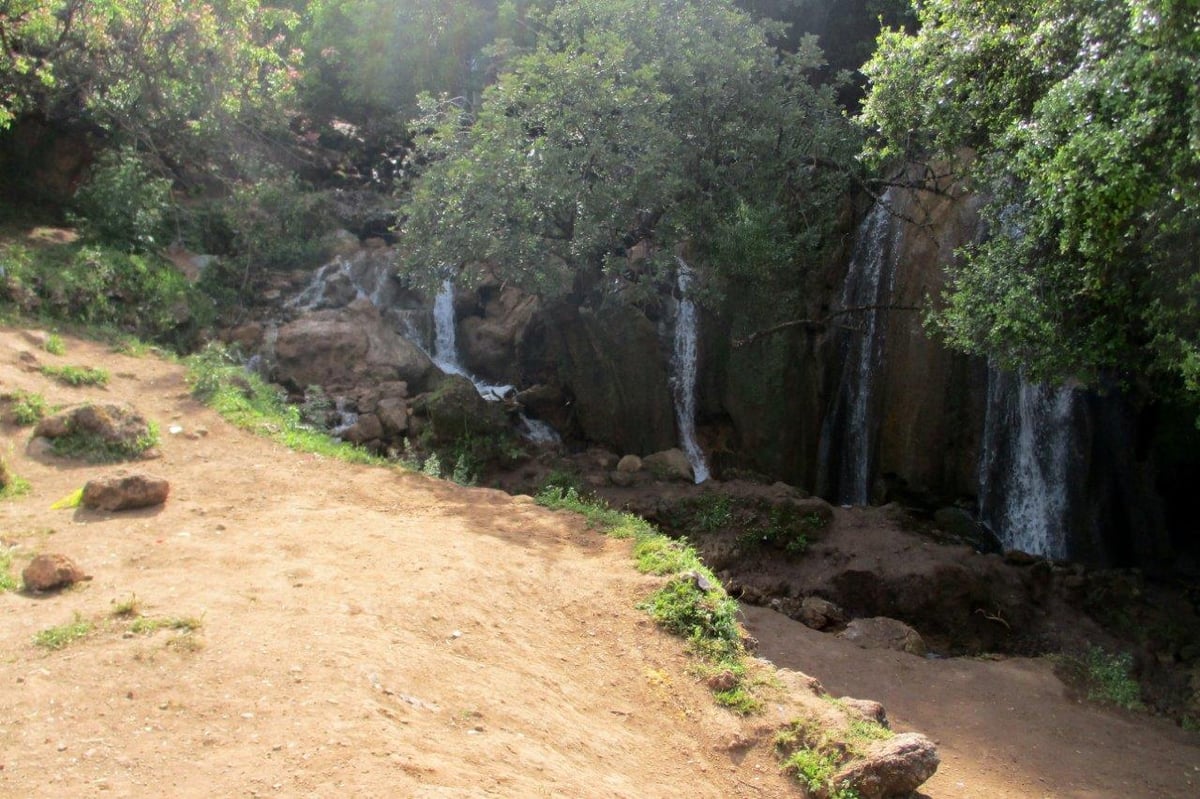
(691, 604)
(55, 345)
(1109, 679)
(14, 486)
(92, 448)
(814, 761)
(55, 638)
(7, 581)
(245, 400)
(147, 625)
(26, 407)
(76, 375)
(127, 608)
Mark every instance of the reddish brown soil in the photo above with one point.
(372, 634)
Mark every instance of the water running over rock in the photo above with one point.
(1027, 463)
(683, 367)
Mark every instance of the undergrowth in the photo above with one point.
(7, 581)
(76, 375)
(244, 399)
(25, 407)
(692, 603)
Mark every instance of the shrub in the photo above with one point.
(26, 407)
(76, 375)
(124, 203)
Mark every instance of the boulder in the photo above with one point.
(670, 464)
(961, 526)
(630, 464)
(880, 632)
(866, 709)
(116, 426)
(368, 427)
(488, 345)
(820, 614)
(348, 346)
(456, 410)
(49, 572)
(892, 768)
(125, 492)
(611, 368)
(393, 415)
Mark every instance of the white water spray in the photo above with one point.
(684, 368)
(445, 355)
(1026, 464)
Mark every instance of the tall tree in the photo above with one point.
(1081, 120)
(657, 123)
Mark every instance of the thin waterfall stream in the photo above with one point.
(684, 370)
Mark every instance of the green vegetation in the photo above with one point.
(55, 638)
(146, 625)
(26, 407)
(76, 375)
(127, 608)
(98, 449)
(246, 401)
(7, 581)
(1080, 121)
(692, 604)
(98, 284)
(628, 123)
(1109, 679)
(13, 486)
(813, 759)
(55, 345)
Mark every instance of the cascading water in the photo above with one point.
(1026, 464)
(684, 367)
(445, 355)
(868, 285)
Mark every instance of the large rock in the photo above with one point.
(488, 345)
(670, 464)
(880, 632)
(125, 492)
(346, 347)
(892, 768)
(820, 614)
(612, 370)
(49, 572)
(455, 410)
(117, 427)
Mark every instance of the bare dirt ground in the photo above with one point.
(367, 633)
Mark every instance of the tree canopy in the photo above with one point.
(651, 123)
(1081, 121)
(176, 78)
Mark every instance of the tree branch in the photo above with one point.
(822, 322)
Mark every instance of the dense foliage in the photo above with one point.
(1081, 119)
(177, 79)
(632, 124)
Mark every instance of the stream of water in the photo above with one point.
(684, 364)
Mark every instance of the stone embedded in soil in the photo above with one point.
(629, 463)
(670, 464)
(820, 614)
(113, 423)
(48, 572)
(880, 632)
(892, 768)
(868, 709)
(125, 492)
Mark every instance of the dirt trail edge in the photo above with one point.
(362, 632)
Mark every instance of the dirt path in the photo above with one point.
(364, 633)
(1004, 728)
(371, 634)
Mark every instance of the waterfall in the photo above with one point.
(868, 284)
(683, 367)
(1026, 463)
(445, 355)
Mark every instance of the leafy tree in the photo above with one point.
(1081, 120)
(658, 125)
(176, 78)
(370, 58)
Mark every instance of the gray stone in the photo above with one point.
(880, 632)
(629, 464)
(820, 614)
(670, 464)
